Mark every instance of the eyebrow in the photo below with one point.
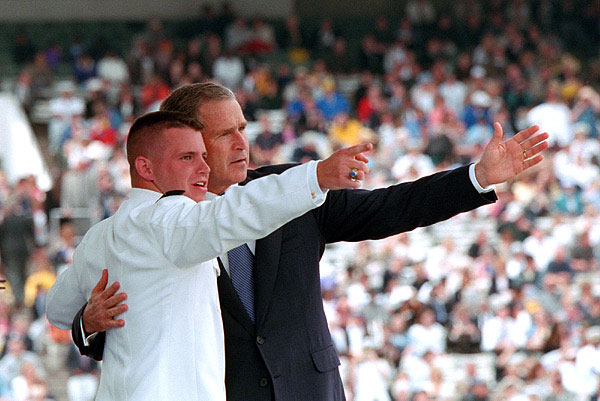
(231, 129)
(187, 153)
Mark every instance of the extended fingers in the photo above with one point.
(100, 316)
(361, 157)
(107, 293)
(101, 285)
(526, 133)
(113, 323)
(532, 161)
(535, 149)
(115, 311)
(531, 142)
(114, 300)
(362, 147)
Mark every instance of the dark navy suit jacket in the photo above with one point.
(288, 353)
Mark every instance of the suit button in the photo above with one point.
(264, 382)
(260, 340)
(276, 375)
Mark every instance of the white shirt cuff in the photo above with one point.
(316, 192)
(86, 340)
(478, 187)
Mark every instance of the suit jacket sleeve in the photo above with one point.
(356, 215)
(96, 345)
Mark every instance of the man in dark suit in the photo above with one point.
(281, 349)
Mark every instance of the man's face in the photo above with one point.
(181, 163)
(226, 142)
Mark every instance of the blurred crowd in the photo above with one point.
(509, 311)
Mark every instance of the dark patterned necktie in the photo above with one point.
(241, 269)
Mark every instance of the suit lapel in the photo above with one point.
(265, 272)
(230, 301)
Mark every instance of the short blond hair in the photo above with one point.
(145, 132)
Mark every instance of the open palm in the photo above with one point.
(502, 161)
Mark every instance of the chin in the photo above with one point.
(198, 197)
(240, 177)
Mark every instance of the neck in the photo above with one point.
(143, 184)
(217, 189)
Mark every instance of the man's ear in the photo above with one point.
(143, 166)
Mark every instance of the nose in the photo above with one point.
(240, 140)
(203, 166)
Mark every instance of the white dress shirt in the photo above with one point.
(172, 346)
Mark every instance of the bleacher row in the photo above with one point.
(119, 35)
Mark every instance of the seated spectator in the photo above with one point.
(426, 335)
(346, 131)
(332, 103)
(586, 109)
(324, 37)
(237, 34)
(261, 39)
(559, 272)
(497, 333)
(569, 201)
(371, 107)
(371, 377)
(104, 124)
(271, 99)
(28, 385)
(63, 109)
(371, 55)
(63, 248)
(540, 247)
(42, 76)
(113, 68)
(23, 50)
(229, 69)
(153, 92)
(39, 282)
(15, 357)
(266, 144)
(83, 382)
(582, 254)
(540, 332)
(413, 164)
(53, 54)
(84, 68)
(339, 60)
(554, 116)
(479, 391)
(464, 336)
(477, 109)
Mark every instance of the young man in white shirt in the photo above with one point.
(172, 346)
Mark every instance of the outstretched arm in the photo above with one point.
(502, 161)
(249, 212)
